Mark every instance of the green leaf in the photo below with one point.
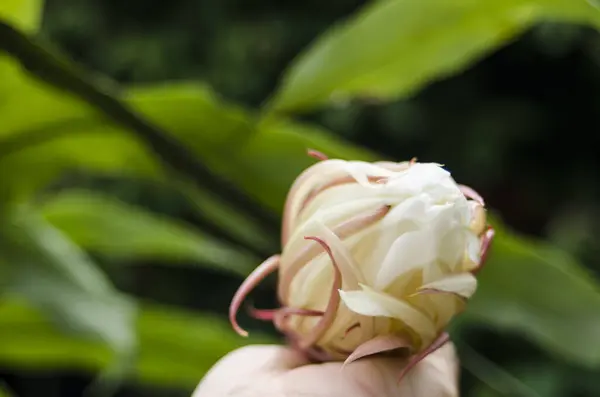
(97, 150)
(54, 274)
(533, 288)
(24, 14)
(277, 153)
(50, 67)
(266, 157)
(176, 347)
(194, 113)
(261, 156)
(46, 133)
(226, 138)
(393, 48)
(229, 219)
(113, 228)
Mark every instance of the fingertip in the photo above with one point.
(245, 367)
(436, 375)
(269, 357)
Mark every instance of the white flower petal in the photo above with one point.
(443, 306)
(410, 251)
(426, 177)
(369, 302)
(463, 284)
(351, 273)
(411, 209)
(474, 247)
(361, 171)
(432, 272)
(422, 242)
(305, 183)
(335, 201)
(473, 252)
(452, 248)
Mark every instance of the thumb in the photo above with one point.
(242, 371)
(435, 376)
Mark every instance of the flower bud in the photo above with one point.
(376, 257)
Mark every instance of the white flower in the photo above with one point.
(377, 256)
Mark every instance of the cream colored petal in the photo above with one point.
(452, 247)
(351, 277)
(431, 272)
(411, 209)
(392, 166)
(344, 319)
(447, 306)
(349, 269)
(336, 201)
(351, 274)
(369, 302)
(372, 247)
(427, 177)
(477, 217)
(309, 288)
(463, 284)
(311, 177)
(410, 251)
(296, 242)
(452, 230)
(362, 247)
(473, 252)
(360, 171)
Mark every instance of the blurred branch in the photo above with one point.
(176, 346)
(57, 72)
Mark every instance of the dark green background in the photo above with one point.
(521, 126)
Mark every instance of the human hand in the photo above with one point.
(278, 371)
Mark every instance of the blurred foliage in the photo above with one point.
(405, 44)
(169, 176)
(4, 392)
(123, 231)
(508, 300)
(176, 347)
